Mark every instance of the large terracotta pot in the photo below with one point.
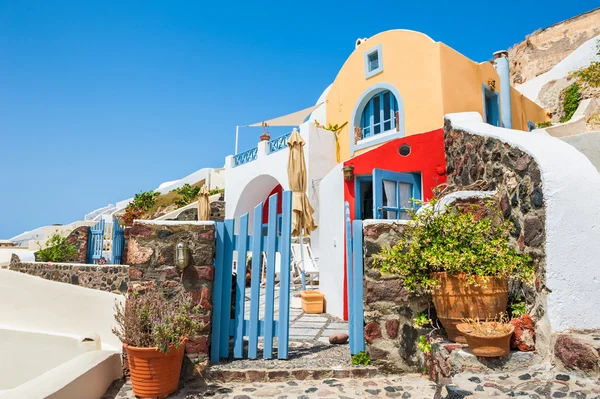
(454, 300)
(486, 345)
(154, 374)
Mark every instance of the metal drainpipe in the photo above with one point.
(503, 69)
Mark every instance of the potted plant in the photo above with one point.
(488, 338)
(459, 256)
(154, 331)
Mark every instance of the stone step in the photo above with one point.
(263, 375)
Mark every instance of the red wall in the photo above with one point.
(426, 156)
(279, 191)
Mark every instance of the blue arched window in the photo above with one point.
(379, 115)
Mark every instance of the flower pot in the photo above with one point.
(154, 374)
(454, 300)
(486, 345)
(312, 302)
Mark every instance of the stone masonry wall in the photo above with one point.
(151, 253)
(517, 179)
(111, 278)
(389, 309)
(217, 212)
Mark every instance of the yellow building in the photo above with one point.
(400, 82)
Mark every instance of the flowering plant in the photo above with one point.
(453, 241)
(148, 319)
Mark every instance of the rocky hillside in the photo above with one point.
(545, 48)
(543, 64)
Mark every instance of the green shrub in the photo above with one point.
(361, 358)
(57, 249)
(144, 200)
(216, 190)
(542, 125)
(455, 242)
(518, 308)
(187, 194)
(589, 75)
(570, 102)
(424, 345)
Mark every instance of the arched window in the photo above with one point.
(379, 114)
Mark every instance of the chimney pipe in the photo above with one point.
(503, 69)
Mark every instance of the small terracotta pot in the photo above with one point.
(154, 374)
(455, 300)
(485, 345)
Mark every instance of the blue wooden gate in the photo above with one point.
(354, 273)
(95, 242)
(261, 243)
(118, 240)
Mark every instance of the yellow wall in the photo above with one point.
(432, 79)
(525, 110)
(410, 63)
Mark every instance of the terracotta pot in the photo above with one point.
(154, 374)
(455, 300)
(486, 345)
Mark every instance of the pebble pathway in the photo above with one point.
(534, 385)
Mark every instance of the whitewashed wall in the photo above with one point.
(248, 184)
(31, 303)
(331, 240)
(570, 186)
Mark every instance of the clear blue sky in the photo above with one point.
(99, 100)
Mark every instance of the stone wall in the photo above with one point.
(491, 164)
(217, 212)
(389, 309)
(111, 278)
(151, 253)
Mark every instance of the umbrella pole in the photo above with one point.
(302, 276)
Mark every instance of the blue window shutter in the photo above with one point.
(379, 176)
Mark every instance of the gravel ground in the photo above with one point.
(534, 385)
(302, 354)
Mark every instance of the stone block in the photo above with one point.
(138, 254)
(372, 331)
(391, 328)
(197, 345)
(576, 354)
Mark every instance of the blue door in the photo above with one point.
(393, 193)
(491, 106)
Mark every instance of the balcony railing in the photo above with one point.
(245, 157)
(276, 144)
(279, 143)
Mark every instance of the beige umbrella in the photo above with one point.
(203, 204)
(302, 211)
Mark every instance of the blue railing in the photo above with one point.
(279, 143)
(245, 157)
(276, 144)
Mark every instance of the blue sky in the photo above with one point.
(99, 100)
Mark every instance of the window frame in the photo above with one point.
(357, 114)
(371, 115)
(369, 73)
(411, 178)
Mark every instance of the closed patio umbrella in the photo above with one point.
(203, 204)
(302, 211)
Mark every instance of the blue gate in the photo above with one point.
(118, 240)
(229, 321)
(95, 242)
(354, 273)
